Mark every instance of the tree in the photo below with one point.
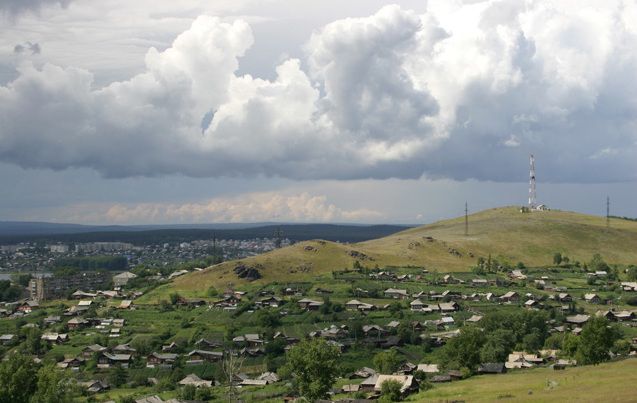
(597, 263)
(557, 258)
(498, 346)
(314, 365)
(231, 366)
(53, 386)
(33, 342)
(464, 350)
(596, 340)
(18, 379)
(118, 376)
(632, 273)
(387, 361)
(268, 319)
(390, 391)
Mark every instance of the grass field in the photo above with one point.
(609, 382)
(504, 233)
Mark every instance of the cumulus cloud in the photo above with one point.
(394, 94)
(252, 207)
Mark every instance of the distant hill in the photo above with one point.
(505, 233)
(14, 232)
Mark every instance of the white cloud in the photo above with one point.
(394, 94)
(251, 207)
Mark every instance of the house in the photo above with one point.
(206, 343)
(624, 315)
(228, 301)
(369, 383)
(89, 351)
(106, 360)
(396, 294)
(50, 320)
(629, 286)
(94, 386)
(79, 294)
(351, 388)
(271, 301)
(592, 298)
(269, 377)
(517, 275)
(393, 324)
(7, 339)
(108, 293)
(195, 381)
(28, 306)
(125, 304)
(118, 322)
(373, 330)
(518, 359)
(309, 304)
(73, 364)
(449, 279)
(531, 303)
(577, 319)
(510, 296)
(161, 360)
(492, 368)
(121, 279)
(364, 372)
(169, 347)
(428, 368)
(76, 323)
(54, 338)
(124, 349)
(448, 306)
(407, 383)
(250, 340)
(479, 282)
(358, 305)
(200, 356)
(564, 297)
(474, 319)
(416, 305)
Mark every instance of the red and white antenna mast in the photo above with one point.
(532, 196)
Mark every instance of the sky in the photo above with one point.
(366, 111)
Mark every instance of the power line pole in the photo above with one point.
(532, 194)
(466, 219)
(607, 212)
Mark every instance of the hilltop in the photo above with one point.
(503, 233)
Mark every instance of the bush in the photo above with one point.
(390, 391)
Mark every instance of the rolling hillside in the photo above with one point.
(506, 233)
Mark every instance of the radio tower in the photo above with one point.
(532, 198)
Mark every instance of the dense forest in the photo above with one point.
(294, 232)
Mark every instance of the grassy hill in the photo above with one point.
(504, 233)
(609, 382)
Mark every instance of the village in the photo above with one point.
(397, 324)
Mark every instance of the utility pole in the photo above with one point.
(466, 219)
(532, 194)
(607, 212)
